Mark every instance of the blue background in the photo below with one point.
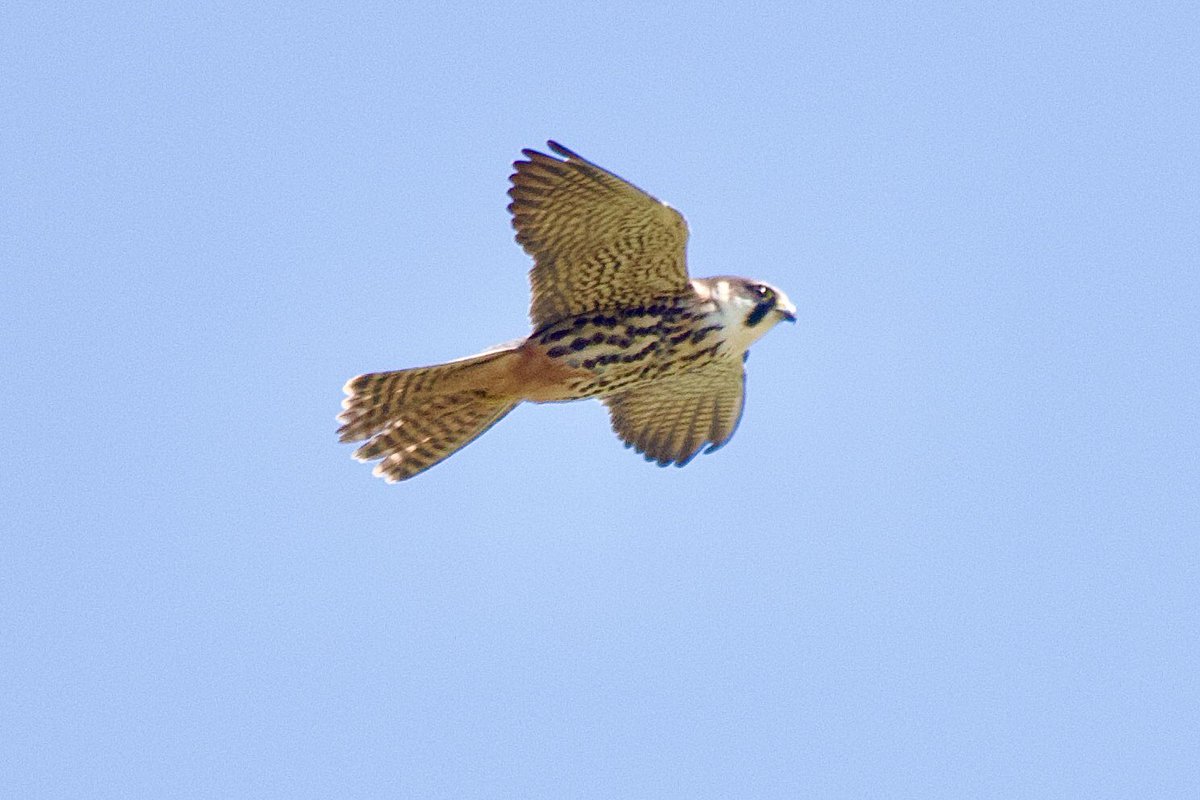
(951, 552)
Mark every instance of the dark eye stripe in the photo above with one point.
(760, 311)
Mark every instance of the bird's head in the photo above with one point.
(750, 308)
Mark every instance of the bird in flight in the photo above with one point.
(615, 317)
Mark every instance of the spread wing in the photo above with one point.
(670, 420)
(597, 241)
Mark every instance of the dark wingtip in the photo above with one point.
(560, 150)
(683, 462)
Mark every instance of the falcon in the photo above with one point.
(615, 316)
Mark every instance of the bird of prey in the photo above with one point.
(615, 317)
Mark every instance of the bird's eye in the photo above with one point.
(763, 291)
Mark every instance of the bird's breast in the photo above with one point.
(609, 351)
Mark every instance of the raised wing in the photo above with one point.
(670, 420)
(597, 241)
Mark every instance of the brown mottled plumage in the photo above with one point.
(615, 317)
(597, 241)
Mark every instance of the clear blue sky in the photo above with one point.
(952, 551)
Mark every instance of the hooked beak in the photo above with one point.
(788, 312)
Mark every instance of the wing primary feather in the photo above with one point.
(563, 151)
(714, 434)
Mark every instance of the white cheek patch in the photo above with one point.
(730, 308)
(734, 314)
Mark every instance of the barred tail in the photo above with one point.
(415, 418)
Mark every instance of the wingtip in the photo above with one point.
(683, 462)
(560, 150)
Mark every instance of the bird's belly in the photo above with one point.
(603, 354)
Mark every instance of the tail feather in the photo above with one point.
(416, 418)
(426, 433)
